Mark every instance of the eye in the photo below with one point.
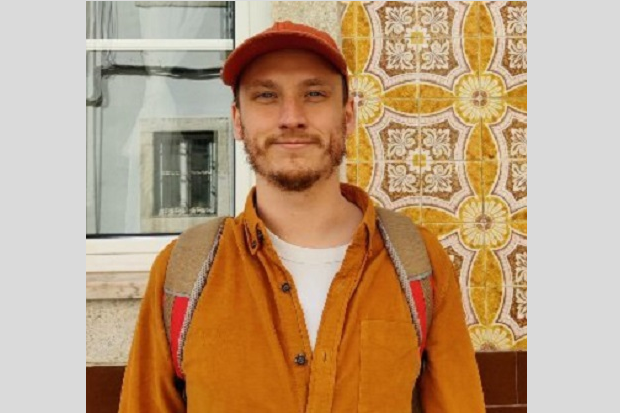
(316, 94)
(265, 95)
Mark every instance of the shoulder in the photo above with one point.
(434, 248)
(442, 267)
(164, 254)
(160, 264)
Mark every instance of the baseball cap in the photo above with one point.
(282, 35)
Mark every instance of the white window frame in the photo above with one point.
(118, 268)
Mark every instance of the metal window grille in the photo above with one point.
(185, 174)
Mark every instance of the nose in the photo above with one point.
(292, 115)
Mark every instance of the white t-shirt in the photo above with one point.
(313, 270)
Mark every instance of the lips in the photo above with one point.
(294, 141)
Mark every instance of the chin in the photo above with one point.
(296, 180)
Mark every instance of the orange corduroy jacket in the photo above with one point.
(244, 343)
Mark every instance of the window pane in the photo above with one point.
(159, 20)
(201, 148)
(200, 187)
(170, 194)
(140, 107)
(203, 174)
(167, 147)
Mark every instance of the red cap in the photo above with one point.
(282, 35)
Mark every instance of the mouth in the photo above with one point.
(295, 143)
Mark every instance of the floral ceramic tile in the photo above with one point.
(493, 337)
(506, 182)
(510, 61)
(504, 19)
(509, 136)
(468, 264)
(348, 20)
(474, 305)
(480, 98)
(396, 184)
(412, 38)
(365, 152)
(441, 99)
(444, 136)
(513, 260)
(367, 91)
(364, 27)
(351, 173)
(513, 311)
(444, 185)
(365, 172)
(459, 210)
(440, 62)
(494, 221)
(443, 60)
(413, 212)
(349, 50)
(352, 145)
(417, 20)
(403, 106)
(400, 142)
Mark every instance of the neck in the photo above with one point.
(319, 217)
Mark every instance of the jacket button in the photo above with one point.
(286, 287)
(254, 243)
(300, 359)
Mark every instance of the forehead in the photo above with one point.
(290, 64)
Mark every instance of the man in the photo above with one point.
(302, 309)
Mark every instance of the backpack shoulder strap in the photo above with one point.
(407, 250)
(186, 276)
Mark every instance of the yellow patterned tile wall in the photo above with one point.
(441, 96)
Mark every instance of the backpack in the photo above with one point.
(192, 256)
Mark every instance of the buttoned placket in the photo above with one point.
(323, 367)
(315, 371)
(298, 343)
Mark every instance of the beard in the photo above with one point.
(304, 177)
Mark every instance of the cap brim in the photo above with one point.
(272, 41)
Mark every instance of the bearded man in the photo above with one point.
(299, 306)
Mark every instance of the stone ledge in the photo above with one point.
(120, 285)
(110, 325)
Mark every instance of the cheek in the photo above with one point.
(327, 122)
(259, 124)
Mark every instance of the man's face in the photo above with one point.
(291, 118)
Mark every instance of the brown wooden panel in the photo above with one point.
(503, 375)
(103, 388)
(507, 409)
(498, 373)
(522, 377)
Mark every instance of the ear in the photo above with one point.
(349, 114)
(237, 124)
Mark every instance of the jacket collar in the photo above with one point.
(255, 229)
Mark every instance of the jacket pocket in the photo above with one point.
(389, 366)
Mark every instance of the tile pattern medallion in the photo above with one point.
(441, 95)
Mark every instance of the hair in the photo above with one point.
(345, 90)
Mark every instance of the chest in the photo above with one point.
(248, 347)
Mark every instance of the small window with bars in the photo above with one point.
(185, 178)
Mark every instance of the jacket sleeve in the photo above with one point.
(451, 381)
(148, 383)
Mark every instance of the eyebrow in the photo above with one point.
(262, 83)
(270, 84)
(315, 82)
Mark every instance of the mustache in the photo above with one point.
(293, 138)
